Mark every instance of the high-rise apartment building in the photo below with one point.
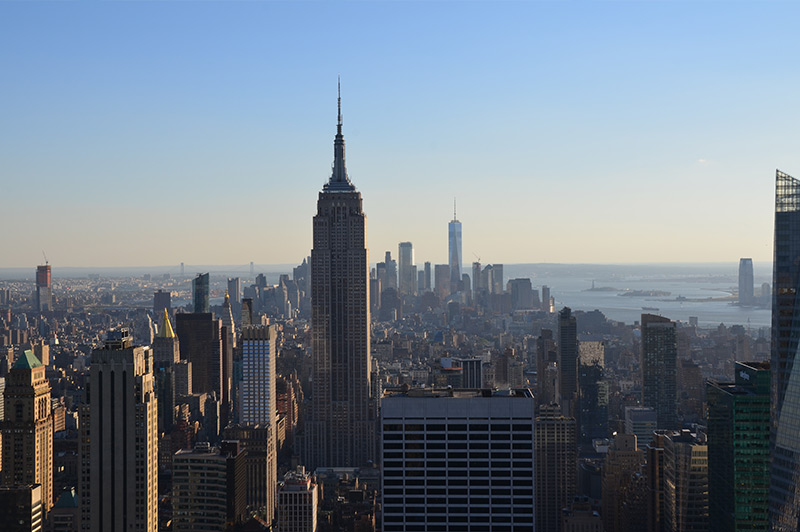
(201, 293)
(685, 482)
(340, 429)
(641, 421)
(784, 504)
(659, 370)
(27, 434)
(406, 269)
(259, 351)
(44, 288)
(746, 295)
(738, 450)
(118, 481)
(454, 248)
(567, 358)
(556, 470)
(208, 487)
(461, 459)
(298, 501)
(623, 461)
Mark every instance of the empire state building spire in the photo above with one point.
(339, 179)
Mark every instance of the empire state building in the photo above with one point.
(341, 428)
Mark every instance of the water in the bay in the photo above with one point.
(706, 291)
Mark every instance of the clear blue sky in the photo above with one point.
(150, 133)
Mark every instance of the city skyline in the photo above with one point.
(520, 107)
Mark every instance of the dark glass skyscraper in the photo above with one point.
(785, 387)
(341, 428)
(567, 357)
(200, 293)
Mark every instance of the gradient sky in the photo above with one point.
(150, 133)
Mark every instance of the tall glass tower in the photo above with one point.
(454, 248)
(341, 428)
(784, 503)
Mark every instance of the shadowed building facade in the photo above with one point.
(341, 429)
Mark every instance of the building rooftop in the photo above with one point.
(27, 361)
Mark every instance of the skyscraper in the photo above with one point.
(258, 375)
(567, 358)
(298, 499)
(201, 344)
(659, 355)
(119, 439)
(341, 427)
(406, 269)
(28, 428)
(200, 293)
(458, 457)
(166, 353)
(784, 504)
(746, 296)
(454, 247)
(44, 289)
(556, 465)
(738, 449)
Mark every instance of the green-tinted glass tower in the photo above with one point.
(738, 450)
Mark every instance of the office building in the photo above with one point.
(235, 289)
(471, 372)
(166, 353)
(738, 450)
(546, 368)
(201, 293)
(477, 287)
(546, 303)
(556, 470)
(746, 294)
(654, 472)
(685, 482)
(441, 278)
(427, 273)
(406, 269)
(641, 421)
(27, 434)
(581, 516)
(340, 428)
(162, 300)
(44, 288)
(298, 501)
(21, 508)
(460, 459)
(659, 372)
(592, 402)
(784, 504)
(208, 487)
(454, 248)
(567, 358)
(259, 445)
(118, 481)
(201, 345)
(623, 461)
(521, 294)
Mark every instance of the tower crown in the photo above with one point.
(339, 181)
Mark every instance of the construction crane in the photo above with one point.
(45, 258)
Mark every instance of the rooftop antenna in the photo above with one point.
(339, 84)
(454, 209)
